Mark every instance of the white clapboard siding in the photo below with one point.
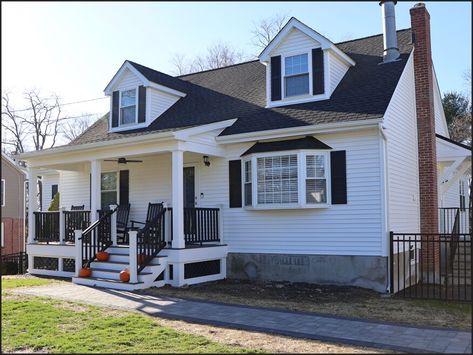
(74, 187)
(338, 70)
(128, 80)
(295, 41)
(440, 122)
(158, 103)
(402, 158)
(351, 229)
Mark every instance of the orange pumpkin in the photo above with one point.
(85, 272)
(102, 256)
(125, 275)
(141, 258)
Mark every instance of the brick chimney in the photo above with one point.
(420, 24)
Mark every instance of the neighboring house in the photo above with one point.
(13, 207)
(295, 166)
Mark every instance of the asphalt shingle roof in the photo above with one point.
(239, 91)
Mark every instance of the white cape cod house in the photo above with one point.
(295, 166)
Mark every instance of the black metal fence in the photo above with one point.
(13, 264)
(433, 266)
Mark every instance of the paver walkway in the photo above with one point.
(295, 324)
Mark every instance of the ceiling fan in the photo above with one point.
(124, 160)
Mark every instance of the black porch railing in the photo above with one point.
(433, 266)
(46, 226)
(12, 264)
(97, 237)
(201, 225)
(150, 240)
(75, 220)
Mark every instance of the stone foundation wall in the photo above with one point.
(362, 271)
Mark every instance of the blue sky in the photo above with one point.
(74, 49)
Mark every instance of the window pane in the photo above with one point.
(297, 85)
(277, 179)
(128, 115)
(316, 191)
(315, 166)
(248, 194)
(296, 64)
(128, 98)
(108, 198)
(109, 181)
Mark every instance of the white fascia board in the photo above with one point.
(299, 131)
(165, 89)
(87, 146)
(125, 65)
(186, 133)
(295, 23)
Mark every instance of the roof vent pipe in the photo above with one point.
(391, 51)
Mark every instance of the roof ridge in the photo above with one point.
(361, 38)
(225, 67)
(144, 66)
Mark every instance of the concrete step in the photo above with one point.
(119, 265)
(123, 250)
(114, 274)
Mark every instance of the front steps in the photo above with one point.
(107, 274)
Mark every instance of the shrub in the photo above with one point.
(54, 205)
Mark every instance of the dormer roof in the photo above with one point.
(294, 23)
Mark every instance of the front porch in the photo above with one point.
(184, 244)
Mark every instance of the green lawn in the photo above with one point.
(34, 323)
(8, 282)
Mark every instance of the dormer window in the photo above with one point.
(128, 107)
(296, 75)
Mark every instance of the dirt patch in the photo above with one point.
(266, 342)
(28, 351)
(345, 301)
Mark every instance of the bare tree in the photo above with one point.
(36, 125)
(265, 29)
(217, 55)
(71, 129)
(13, 128)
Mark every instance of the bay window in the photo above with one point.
(128, 107)
(296, 179)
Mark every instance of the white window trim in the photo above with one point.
(301, 178)
(3, 192)
(283, 75)
(120, 107)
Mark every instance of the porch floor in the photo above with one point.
(295, 324)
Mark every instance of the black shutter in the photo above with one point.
(141, 104)
(275, 78)
(234, 169)
(338, 171)
(124, 187)
(115, 108)
(317, 71)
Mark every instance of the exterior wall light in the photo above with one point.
(206, 160)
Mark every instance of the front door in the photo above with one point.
(189, 186)
(189, 201)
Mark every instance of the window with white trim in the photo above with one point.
(109, 189)
(296, 75)
(128, 114)
(316, 179)
(247, 188)
(2, 193)
(295, 179)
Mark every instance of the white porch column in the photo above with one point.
(95, 197)
(78, 251)
(178, 199)
(32, 202)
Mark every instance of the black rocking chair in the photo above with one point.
(154, 209)
(123, 212)
(77, 208)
